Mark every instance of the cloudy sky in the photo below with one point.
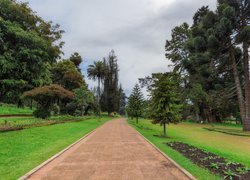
(135, 29)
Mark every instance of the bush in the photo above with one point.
(42, 113)
(46, 96)
(55, 109)
(71, 108)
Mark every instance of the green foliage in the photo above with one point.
(210, 63)
(66, 74)
(175, 48)
(111, 96)
(42, 113)
(76, 59)
(135, 103)
(46, 96)
(165, 105)
(83, 99)
(97, 70)
(214, 165)
(28, 46)
(230, 174)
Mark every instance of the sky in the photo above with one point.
(135, 29)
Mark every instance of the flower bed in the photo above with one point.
(212, 162)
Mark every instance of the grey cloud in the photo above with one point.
(135, 29)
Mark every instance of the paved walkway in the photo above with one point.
(114, 151)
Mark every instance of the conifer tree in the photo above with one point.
(165, 105)
(135, 103)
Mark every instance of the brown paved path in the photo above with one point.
(115, 151)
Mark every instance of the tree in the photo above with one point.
(135, 103)
(110, 97)
(66, 74)
(45, 97)
(28, 46)
(175, 48)
(123, 101)
(97, 72)
(83, 99)
(242, 30)
(77, 60)
(165, 105)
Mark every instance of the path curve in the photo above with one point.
(113, 151)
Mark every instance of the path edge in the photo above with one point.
(188, 174)
(34, 170)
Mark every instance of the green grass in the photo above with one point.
(231, 131)
(233, 148)
(8, 109)
(15, 121)
(21, 151)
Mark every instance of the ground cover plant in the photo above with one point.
(195, 135)
(215, 163)
(23, 150)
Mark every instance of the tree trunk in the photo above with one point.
(98, 98)
(197, 116)
(210, 116)
(82, 111)
(31, 104)
(238, 85)
(164, 129)
(246, 121)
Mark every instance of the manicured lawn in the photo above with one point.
(233, 148)
(20, 151)
(8, 109)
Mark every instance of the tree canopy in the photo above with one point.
(28, 46)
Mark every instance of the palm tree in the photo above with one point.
(96, 71)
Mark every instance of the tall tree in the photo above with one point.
(83, 99)
(176, 49)
(122, 101)
(76, 59)
(28, 46)
(97, 72)
(165, 105)
(66, 74)
(242, 29)
(135, 103)
(212, 65)
(110, 96)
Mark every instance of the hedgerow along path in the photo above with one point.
(113, 151)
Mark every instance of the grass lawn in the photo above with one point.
(21, 151)
(8, 109)
(234, 148)
(16, 121)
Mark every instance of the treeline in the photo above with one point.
(211, 64)
(33, 73)
(110, 95)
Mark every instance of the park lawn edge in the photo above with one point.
(27, 175)
(40, 157)
(195, 170)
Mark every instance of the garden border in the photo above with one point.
(34, 170)
(188, 174)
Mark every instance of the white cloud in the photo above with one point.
(135, 29)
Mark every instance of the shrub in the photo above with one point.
(45, 97)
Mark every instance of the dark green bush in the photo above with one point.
(42, 112)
